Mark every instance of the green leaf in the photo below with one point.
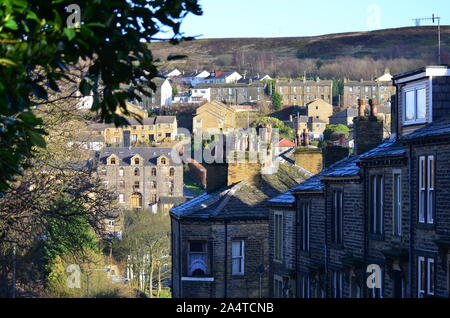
(11, 24)
(32, 16)
(70, 33)
(7, 62)
(37, 139)
(85, 88)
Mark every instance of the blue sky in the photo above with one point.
(278, 18)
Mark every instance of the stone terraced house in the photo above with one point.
(143, 178)
(220, 238)
(384, 210)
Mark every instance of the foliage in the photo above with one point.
(174, 91)
(68, 230)
(331, 129)
(106, 57)
(92, 273)
(284, 130)
(277, 101)
(60, 181)
(145, 246)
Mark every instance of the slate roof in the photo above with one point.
(350, 112)
(439, 128)
(243, 201)
(149, 154)
(307, 83)
(347, 167)
(165, 119)
(390, 147)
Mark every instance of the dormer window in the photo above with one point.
(112, 161)
(415, 104)
(136, 161)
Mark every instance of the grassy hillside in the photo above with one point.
(359, 53)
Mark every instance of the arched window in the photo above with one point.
(113, 161)
(136, 172)
(136, 161)
(121, 172)
(163, 161)
(172, 172)
(153, 172)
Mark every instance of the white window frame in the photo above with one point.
(305, 282)
(278, 287)
(278, 244)
(306, 227)
(337, 284)
(429, 276)
(241, 258)
(375, 224)
(420, 288)
(422, 190)
(430, 189)
(397, 191)
(415, 88)
(121, 198)
(427, 192)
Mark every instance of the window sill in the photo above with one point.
(414, 122)
(425, 226)
(376, 237)
(197, 279)
(337, 246)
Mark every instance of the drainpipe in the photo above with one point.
(226, 261)
(296, 248)
(411, 225)
(326, 240)
(366, 221)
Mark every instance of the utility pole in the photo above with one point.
(433, 19)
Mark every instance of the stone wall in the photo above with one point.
(309, 159)
(368, 133)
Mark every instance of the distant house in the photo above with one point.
(171, 73)
(380, 88)
(316, 127)
(141, 176)
(150, 130)
(299, 93)
(319, 109)
(199, 95)
(344, 117)
(235, 93)
(284, 145)
(192, 78)
(161, 98)
(222, 77)
(214, 117)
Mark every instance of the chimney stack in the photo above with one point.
(368, 130)
(373, 107)
(362, 107)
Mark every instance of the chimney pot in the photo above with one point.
(373, 107)
(361, 107)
